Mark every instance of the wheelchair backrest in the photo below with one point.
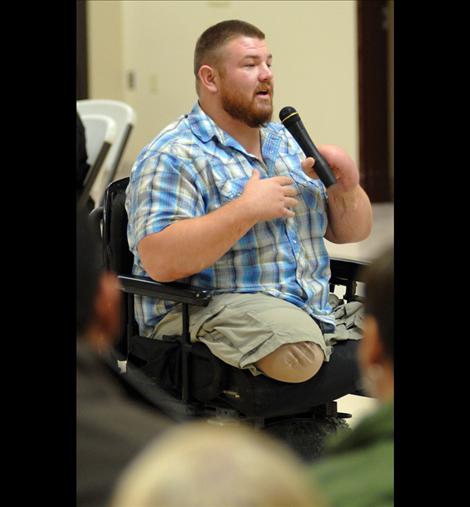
(118, 257)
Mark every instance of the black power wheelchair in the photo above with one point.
(199, 384)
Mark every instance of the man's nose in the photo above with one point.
(266, 73)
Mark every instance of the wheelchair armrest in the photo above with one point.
(172, 291)
(346, 270)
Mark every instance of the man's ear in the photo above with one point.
(107, 312)
(209, 78)
(370, 347)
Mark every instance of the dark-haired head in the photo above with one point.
(380, 297)
(98, 297)
(89, 269)
(376, 347)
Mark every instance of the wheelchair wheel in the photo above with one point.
(306, 436)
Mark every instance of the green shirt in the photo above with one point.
(357, 469)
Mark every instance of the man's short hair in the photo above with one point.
(380, 296)
(210, 42)
(89, 268)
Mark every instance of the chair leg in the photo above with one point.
(185, 350)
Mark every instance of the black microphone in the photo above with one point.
(291, 120)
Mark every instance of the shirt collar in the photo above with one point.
(204, 127)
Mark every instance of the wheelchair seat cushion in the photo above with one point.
(242, 328)
(213, 380)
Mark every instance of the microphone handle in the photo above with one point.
(321, 166)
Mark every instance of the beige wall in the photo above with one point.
(105, 50)
(313, 45)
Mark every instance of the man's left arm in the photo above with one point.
(349, 208)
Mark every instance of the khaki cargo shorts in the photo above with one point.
(240, 329)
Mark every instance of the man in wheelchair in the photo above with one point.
(224, 199)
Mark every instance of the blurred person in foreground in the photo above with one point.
(207, 465)
(112, 427)
(357, 469)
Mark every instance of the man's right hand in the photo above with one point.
(269, 198)
(164, 254)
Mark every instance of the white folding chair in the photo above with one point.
(100, 133)
(124, 117)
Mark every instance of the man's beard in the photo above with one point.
(245, 110)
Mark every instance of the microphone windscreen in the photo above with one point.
(285, 112)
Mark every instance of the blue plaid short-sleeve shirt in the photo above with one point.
(192, 168)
